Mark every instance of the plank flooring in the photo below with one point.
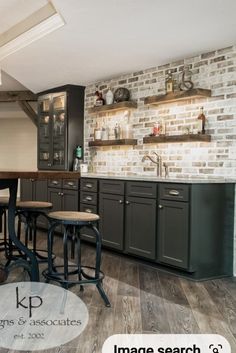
(147, 300)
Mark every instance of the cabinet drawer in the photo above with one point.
(88, 197)
(88, 208)
(177, 192)
(70, 184)
(143, 189)
(115, 187)
(55, 183)
(88, 184)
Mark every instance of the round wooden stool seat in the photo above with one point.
(73, 216)
(4, 201)
(33, 205)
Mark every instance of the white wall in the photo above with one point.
(18, 144)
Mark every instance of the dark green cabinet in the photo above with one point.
(173, 233)
(111, 210)
(60, 126)
(140, 227)
(64, 195)
(35, 190)
(128, 223)
(88, 203)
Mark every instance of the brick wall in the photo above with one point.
(215, 70)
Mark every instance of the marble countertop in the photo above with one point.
(196, 180)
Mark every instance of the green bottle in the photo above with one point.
(77, 159)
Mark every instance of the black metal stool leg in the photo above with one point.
(98, 264)
(79, 256)
(65, 252)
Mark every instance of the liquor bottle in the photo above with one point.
(77, 159)
(201, 122)
(169, 82)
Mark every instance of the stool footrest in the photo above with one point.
(58, 276)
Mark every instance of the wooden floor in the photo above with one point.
(146, 300)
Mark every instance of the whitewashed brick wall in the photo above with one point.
(215, 70)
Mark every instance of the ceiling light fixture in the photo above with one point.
(34, 27)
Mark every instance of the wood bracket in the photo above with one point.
(29, 111)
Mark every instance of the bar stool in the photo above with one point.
(28, 212)
(76, 273)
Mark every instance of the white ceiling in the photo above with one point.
(106, 38)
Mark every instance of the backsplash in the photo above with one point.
(215, 70)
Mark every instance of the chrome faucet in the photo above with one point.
(158, 162)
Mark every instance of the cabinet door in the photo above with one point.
(41, 194)
(173, 235)
(70, 200)
(44, 133)
(111, 211)
(26, 189)
(140, 230)
(59, 131)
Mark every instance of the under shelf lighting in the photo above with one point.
(34, 27)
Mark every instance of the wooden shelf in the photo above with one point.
(113, 107)
(177, 96)
(100, 143)
(177, 138)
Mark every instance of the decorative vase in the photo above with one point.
(109, 97)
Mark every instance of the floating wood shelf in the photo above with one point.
(113, 107)
(177, 138)
(100, 143)
(177, 96)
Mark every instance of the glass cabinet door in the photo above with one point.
(44, 128)
(59, 124)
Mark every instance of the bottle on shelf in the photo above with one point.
(201, 122)
(78, 159)
(105, 132)
(169, 82)
(117, 132)
(127, 132)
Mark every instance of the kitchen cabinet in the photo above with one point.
(64, 195)
(128, 220)
(35, 190)
(185, 228)
(88, 203)
(141, 219)
(111, 211)
(60, 126)
(195, 228)
(173, 236)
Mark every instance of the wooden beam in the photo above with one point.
(29, 111)
(15, 96)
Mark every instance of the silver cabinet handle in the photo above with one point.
(62, 193)
(54, 182)
(174, 192)
(49, 164)
(88, 186)
(88, 210)
(120, 201)
(88, 198)
(127, 202)
(160, 206)
(70, 183)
